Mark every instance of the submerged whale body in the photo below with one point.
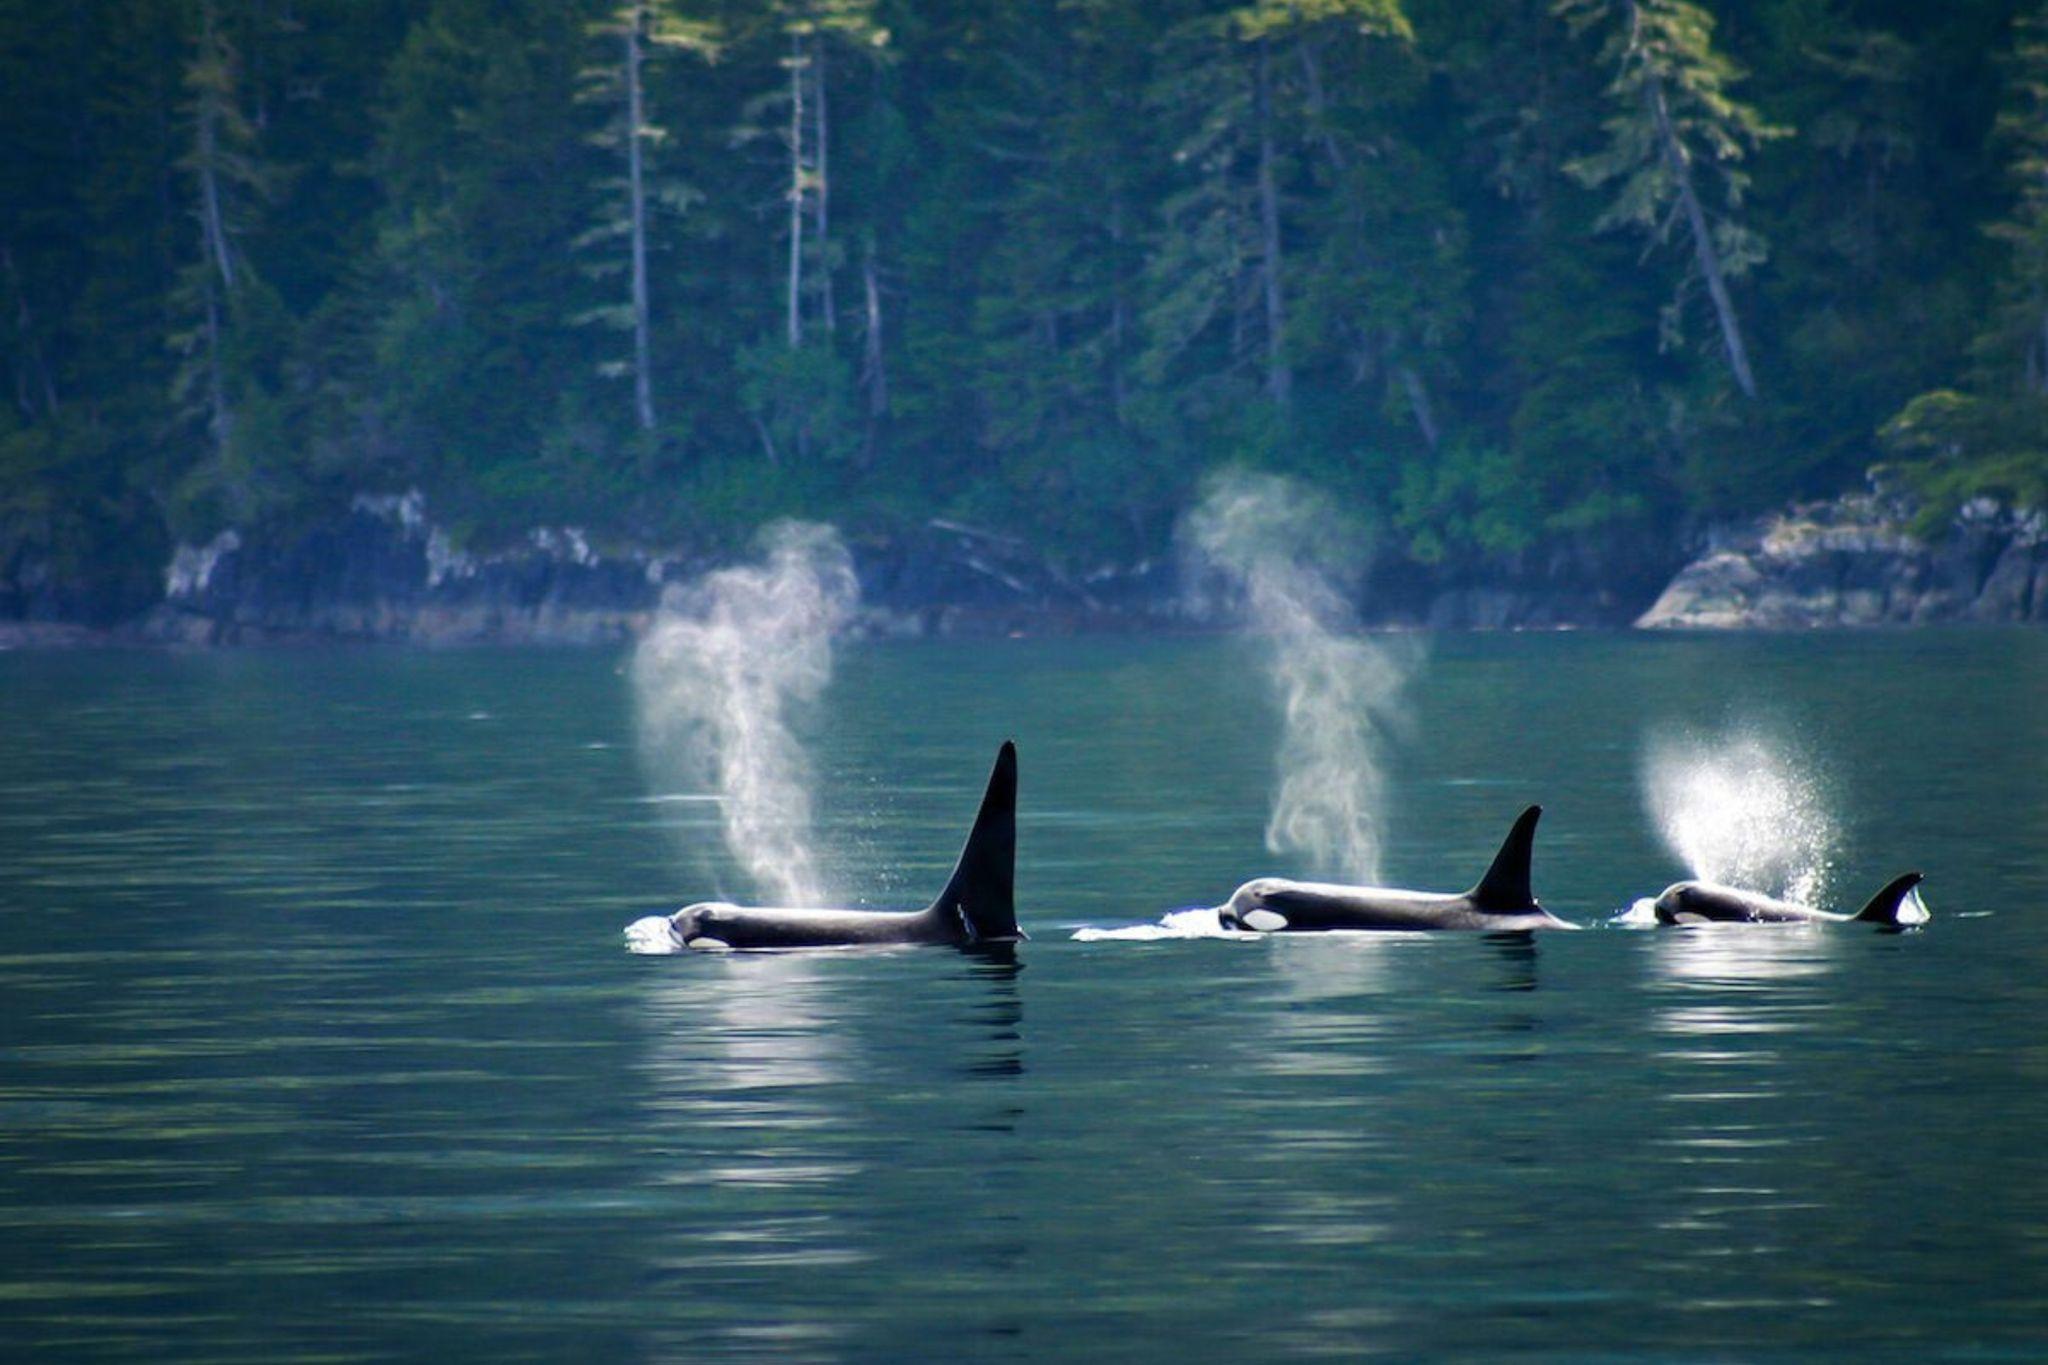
(1709, 903)
(1501, 903)
(977, 906)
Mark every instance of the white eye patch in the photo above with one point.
(1265, 921)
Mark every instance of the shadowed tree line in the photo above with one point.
(1501, 273)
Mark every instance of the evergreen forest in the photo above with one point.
(1498, 273)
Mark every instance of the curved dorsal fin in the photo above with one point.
(1884, 906)
(1505, 887)
(982, 889)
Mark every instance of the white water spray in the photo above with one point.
(715, 679)
(1741, 809)
(1198, 922)
(1284, 555)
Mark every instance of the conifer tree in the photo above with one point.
(1673, 124)
(1061, 136)
(40, 212)
(800, 396)
(1038, 262)
(1226, 80)
(634, 31)
(483, 168)
(2017, 343)
(810, 30)
(226, 181)
(1991, 435)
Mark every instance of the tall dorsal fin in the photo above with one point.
(1885, 905)
(1505, 887)
(982, 889)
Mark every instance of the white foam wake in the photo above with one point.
(1202, 922)
(654, 936)
(1641, 914)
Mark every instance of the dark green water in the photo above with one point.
(318, 1041)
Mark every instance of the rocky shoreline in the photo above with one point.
(1852, 562)
(385, 572)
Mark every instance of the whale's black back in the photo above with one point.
(982, 890)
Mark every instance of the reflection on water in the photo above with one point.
(1738, 977)
(1518, 958)
(1326, 1015)
(1746, 1158)
(318, 1042)
(998, 1018)
(781, 1076)
(745, 1023)
(743, 1056)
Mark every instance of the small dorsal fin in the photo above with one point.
(982, 889)
(1885, 905)
(1505, 887)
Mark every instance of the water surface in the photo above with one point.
(319, 1040)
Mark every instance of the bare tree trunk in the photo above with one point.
(213, 230)
(220, 419)
(1279, 380)
(796, 193)
(23, 399)
(2037, 358)
(874, 368)
(1418, 402)
(1119, 309)
(1312, 73)
(1676, 158)
(35, 369)
(643, 383)
(823, 191)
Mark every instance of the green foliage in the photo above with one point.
(1035, 264)
(1663, 52)
(2016, 343)
(801, 402)
(1474, 498)
(73, 514)
(1672, 121)
(1991, 440)
(1286, 18)
(1954, 447)
(633, 195)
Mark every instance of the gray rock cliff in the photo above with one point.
(1852, 561)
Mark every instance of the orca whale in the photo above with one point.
(977, 905)
(1709, 903)
(1501, 903)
